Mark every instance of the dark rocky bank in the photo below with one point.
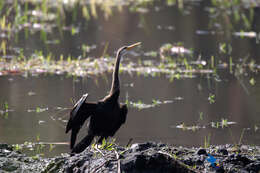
(145, 157)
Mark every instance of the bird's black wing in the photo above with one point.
(78, 115)
(74, 111)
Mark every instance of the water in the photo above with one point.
(34, 100)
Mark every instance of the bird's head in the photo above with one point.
(124, 50)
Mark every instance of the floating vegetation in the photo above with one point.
(41, 122)
(183, 126)
(86, 49)
(225, 48)
(169, 50)
(211, 98)
(175, 68)
(88, 66)
(247, 34)
(5, 110)
(170, 28)
(38, 110)
(223, 123)
(241, 34)
(31, 93)
(45, 16)
(252, 81)
(140, 105)
(151, 54)
(6, 106)
(204, 32)
(38, 148)
(219, 124)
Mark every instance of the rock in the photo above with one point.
(188, 161)
(202, 151)
(6, 147)
(9, 166)
(142, 146)
(220, 170)
(152, 162)
(242, 159)
(223, 151)
(253, 167)
(200, 160)
(143, 157)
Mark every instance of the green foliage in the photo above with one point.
(224, 123)
(17, 147)
(141, 105)
(105, 145)
(207, 141)
(85, 12)
(252, 81)
(38, 137)
(36, 157)
(6, 106)
(74, 30)
(39, 110)
(200, 115)
(211, 98)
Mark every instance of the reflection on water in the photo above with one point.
(35, 101)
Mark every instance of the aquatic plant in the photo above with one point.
(37, 63)
(224, 123)
(140, 105)
(207, 141)
(229, 13)
(252, 81)
(211, 98)
(5, 110)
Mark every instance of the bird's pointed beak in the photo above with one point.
(133, 45)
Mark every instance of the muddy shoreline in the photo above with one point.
(141, 157)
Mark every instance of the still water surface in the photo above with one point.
(235, 100)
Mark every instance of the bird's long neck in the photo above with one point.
(115, 80)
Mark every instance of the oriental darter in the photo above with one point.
(106, 115)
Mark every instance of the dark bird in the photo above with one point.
(106, 116)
